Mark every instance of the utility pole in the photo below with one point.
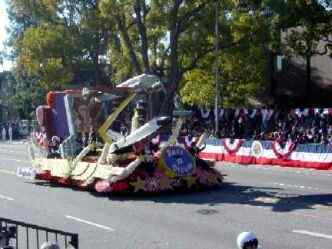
(217, 63)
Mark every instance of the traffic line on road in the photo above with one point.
(90, 223)
(14, 153)
(11, 159)
(295, 186)
(7, 151)
(7, 172)
(7, 198)
(314, 234)
(313, 216)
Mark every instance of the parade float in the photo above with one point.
(109, 140)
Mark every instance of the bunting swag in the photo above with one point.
(283, 153)
(232, 145)
(315, 156)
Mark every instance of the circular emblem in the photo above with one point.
(256, 149)
(176, 161)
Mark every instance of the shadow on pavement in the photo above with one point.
(227, 193)
(230, 193)
(42, 183)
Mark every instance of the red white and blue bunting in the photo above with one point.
(316, 156)
(232, 145)
(283, 152)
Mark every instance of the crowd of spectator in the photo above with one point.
(311, 125)
(12, 130)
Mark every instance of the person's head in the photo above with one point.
(141, 105)
(247, 240)
(49, 245)
(85, 92)
(55, 139)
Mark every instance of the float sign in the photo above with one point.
(178, 160)
(26, 172)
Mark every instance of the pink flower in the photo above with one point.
(158, 173)
(152, 184)
(103, 186)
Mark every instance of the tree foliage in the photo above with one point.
(46, 53)
(57, 43)
(60, 42)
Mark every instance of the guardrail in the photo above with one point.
(16, 234)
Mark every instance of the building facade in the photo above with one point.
(290, 82)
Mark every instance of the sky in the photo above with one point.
(3, 33)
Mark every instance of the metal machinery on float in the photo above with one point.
(84, 140)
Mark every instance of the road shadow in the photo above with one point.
(56, 185)
(227, 193)
(231, 193)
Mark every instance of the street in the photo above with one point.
(286, 208)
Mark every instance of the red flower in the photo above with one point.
(119, 186)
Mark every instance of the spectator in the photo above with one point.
(299, 125)
(4, 133)
(10, 133)
(54, 147)
(49, 245)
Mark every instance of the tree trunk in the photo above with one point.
(96, 67)
(174, 75)
(129, 45)
(308, 78)
(142, 33)
(272, 74)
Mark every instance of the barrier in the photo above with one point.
(314, 156)
(16, 234)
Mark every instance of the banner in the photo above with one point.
(315, 156)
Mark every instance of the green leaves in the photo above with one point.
(46, 52)
(198, 88)
(59, 43)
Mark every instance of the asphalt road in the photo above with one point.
(286, 208)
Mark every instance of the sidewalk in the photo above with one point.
(21, 141)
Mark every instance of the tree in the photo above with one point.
(1, 58)
(60, 42)
(244, 69)
(164, 37)
(47, 53)
(26, 96)
(18, 98)
(309, 30)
